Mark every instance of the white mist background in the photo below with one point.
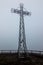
(9, 24)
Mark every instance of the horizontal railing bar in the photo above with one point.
(15, 51)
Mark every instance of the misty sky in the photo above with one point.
(9, 24)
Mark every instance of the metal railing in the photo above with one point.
(15, 51)
(8, 51)
(35, 51)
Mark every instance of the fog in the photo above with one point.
(9, 24)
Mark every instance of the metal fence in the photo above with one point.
(15, 51)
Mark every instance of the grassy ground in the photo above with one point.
(12, 59)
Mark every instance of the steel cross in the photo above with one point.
(22, 48)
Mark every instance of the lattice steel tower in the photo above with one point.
(22, 48)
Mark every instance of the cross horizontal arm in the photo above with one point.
(19, 11)
(15, 11)
(26, 13)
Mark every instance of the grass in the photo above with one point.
(12, 59)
